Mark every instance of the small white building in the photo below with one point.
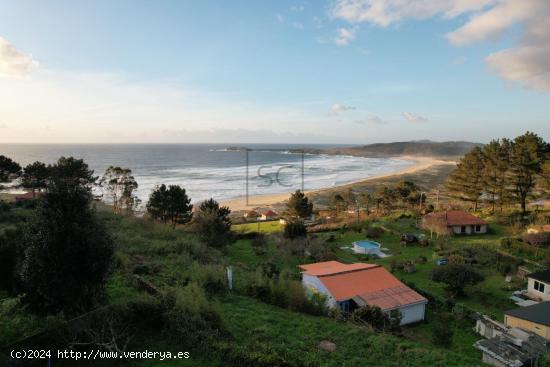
(349, 286)
(268, 215)
(538, 285)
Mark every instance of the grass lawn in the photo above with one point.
(263, 227)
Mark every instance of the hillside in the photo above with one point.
(423, 148)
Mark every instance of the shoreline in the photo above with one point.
(269, 200)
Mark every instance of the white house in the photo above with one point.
(456, 222)
(538, 285)
(349, 286)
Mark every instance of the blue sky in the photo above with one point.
(343, 71)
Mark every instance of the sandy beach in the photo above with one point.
(254, 201)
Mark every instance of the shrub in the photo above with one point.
(456, 277)
(294, 229)
(375, 232)
(456, 259)
(190, 317)
(442, 331)
(421, 260)
(212, 278)
(376, 318)
(259, 244)
(318, 251)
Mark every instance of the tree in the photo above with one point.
(338, 204)
(350, 198)
(299, 206)
(212, 223)
(68, 251)
(8, 168)
(408, 193)
(545, 175)
(35, 176)
(386, 198)
(120, 186)
(456, 277)
(496, 156)
(170, 205)
(435, 223)
(466, 181)
(526, 159)
(71, 174)
(365, 200)
(294, 229)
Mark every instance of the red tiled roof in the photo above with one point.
(546, 228)
(332, 268)
(391, 298)
(458, 218)
(270, 213)
(371, 282)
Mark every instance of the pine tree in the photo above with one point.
(526, 159)
(466, 182)
(496, 163)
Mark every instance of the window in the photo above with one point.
(463, 229)
(539, 286)
(478, 228)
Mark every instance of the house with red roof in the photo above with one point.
(268, 215)
(349, 286)
(456, 222)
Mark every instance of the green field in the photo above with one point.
(262, 227)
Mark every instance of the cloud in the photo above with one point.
(413, 117)
(373, 119)
(297, 8)
(344, 36)
(14, 63)
(387, 12)
(279, 18)
(336, 108)
(527, 63)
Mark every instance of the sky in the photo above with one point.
(323, 71)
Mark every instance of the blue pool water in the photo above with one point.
(367, 244)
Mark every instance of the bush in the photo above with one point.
(191, 318)
(456, 277)
(259, 244)
(375, 232)
(212, 278)
(442, 331)
(376, 318)
(421, 260)
(456, 259)
(294, 229)
(287, 293)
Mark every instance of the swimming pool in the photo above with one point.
(366, 247)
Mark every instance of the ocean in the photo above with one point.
(215, 170)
